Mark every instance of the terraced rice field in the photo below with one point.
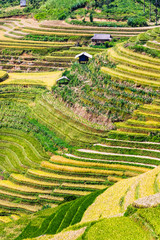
(135, 67)
(51, 181)
(131, 227)
(32, 179)
(64, 125)
(128, 143)
(121, 152)
(57, 55)
(116, 199)
(150, 124)
(47, 79)
(18, 55)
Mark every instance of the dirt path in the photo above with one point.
(144, 149)
(110, 161)
(116, 154)
(117, 140)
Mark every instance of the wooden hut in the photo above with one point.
(23, 3)
(83, 57)
(101, 38)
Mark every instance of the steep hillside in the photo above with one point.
(75, 153)
(99, 12)
(88, 210)
(117, 84)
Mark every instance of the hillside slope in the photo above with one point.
(95, 210)
(78, 140)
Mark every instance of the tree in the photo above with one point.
(108, 2)
(150, 10)
(91, 17)
(96, 3)
(35, 3)
(156, 10)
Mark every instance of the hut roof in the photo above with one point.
(101, 37)
(63, 77)
(22, 3)
(84, 53)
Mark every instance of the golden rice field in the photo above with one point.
(47, 79)
(67, 235)
(114, 201)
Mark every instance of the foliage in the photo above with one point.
(98, 24)
(119, 11)
(149, 51)
(116, 229)
(16, 114)
(98, 95)
(130, 211)
(58, 10)
(151, 216)
(137, 21)
(48, 138)
(65, 215)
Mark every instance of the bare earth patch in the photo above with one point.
(150, 201)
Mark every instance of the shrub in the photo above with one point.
(152, 52)
(143, 37)
(137, 21)
(130, 211)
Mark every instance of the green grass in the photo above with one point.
(132, 144)
(62, 217)
(116, 228)
(118, 158)
(126, 127)
(151, 216)
(63, 125)
(20, 150)
(130, 151)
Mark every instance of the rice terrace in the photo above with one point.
(80, 120)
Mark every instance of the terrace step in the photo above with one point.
(155, 109)
(73, 30)
(147, 116)
(131, 128)
(7, 34)
(19, 206)
(22, 180)
(129, 77)
(138, 73)
(110, 161)
(115, 56)
(134, 55)
(51, 198)
(120, 147)
(10, 186)
(19, 33)
(51, 177)
(153, 44)
(117, 156)
(132, 144)
(105, 153)
(71, 192)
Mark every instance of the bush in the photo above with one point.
(130, 211)
(27, 9)
(137, 21)
(143, 37)
(98, 24)
(153, 52)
